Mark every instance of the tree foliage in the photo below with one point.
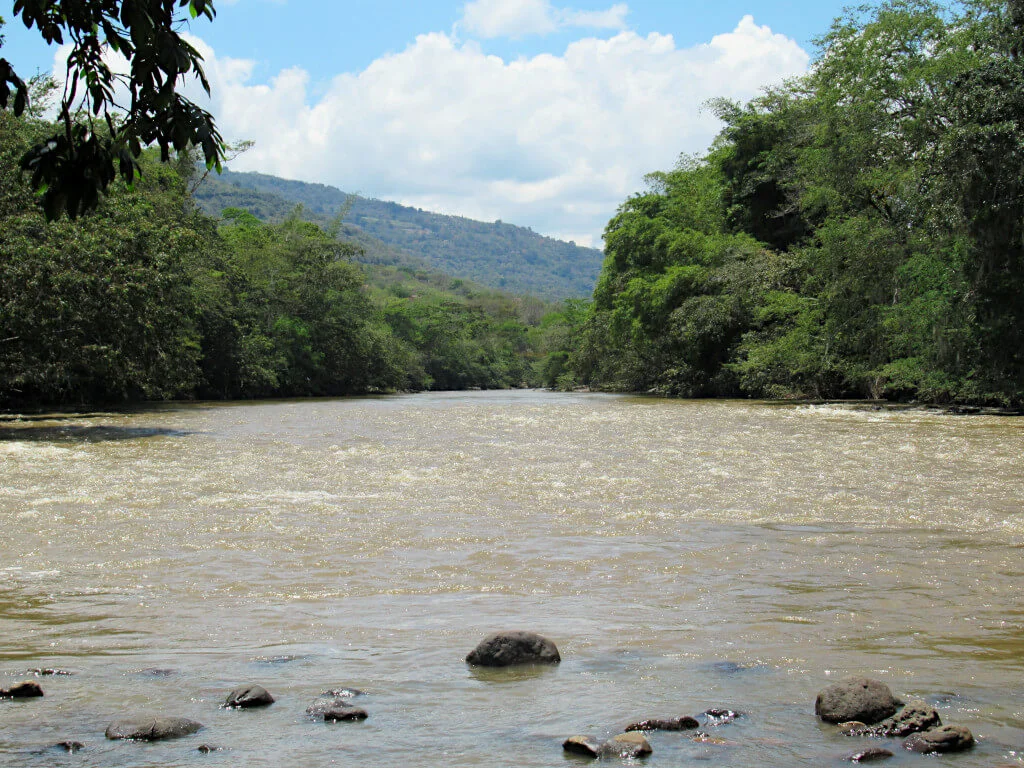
(106, 119)
(858, 232)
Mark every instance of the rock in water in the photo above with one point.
(857, 698)
(152, 728)
(504, 649)
(335, 710)
(582, 745)
(343, 713)
(248, 696)
(683, 723)
(721, 715)
(26, 690)
(948, 738)
(915, 716)
(626, 745)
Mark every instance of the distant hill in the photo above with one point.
(498, 255)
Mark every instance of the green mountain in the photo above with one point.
(498, 255)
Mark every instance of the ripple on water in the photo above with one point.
(684, 555)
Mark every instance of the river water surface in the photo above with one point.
(683, 555)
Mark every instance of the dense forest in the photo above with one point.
(495, 254)
(857, 232)
(148, 298)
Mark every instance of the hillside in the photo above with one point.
(497, 255)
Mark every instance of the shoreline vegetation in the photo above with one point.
(856, 233)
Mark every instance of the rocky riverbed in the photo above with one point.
(863, 709)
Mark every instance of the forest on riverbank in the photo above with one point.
(855, 233)
(147, 298)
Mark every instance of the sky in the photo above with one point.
(529, 111)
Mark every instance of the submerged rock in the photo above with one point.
(152, 728)
(947, 738)
(869, 755)
(682, 723)
(248, 697)
(856, 698)
(504, 649)
(69, 746)
(343, 693)
(208, 748)
(156, 672)
(26, 690)
(582, 745)
(626, 745)
(720, 716)
(700, 737)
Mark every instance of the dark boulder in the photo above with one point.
(26, 690)
(152, 728)
(504, 649)
(69, 746)
(947, 738)
(869, 755)
(249, 696)
(626, 745)
(335, 710)
(582, 745)
(208, 748)
(343, 713)
(682, 723)
(857, 698)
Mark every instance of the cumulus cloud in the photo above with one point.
(518, 18)
(555, 142)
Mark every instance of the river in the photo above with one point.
(682, 554)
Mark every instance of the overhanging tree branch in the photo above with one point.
(71, 168)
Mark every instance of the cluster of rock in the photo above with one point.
(632, 743)
(331, 706)
(865, 707)
(857, 706)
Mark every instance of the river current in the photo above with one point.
(682, 554)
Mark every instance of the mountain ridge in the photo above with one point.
(495, 254)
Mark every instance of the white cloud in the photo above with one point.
(509, 18)
(555, 142)
(518, 18)
(613, 18)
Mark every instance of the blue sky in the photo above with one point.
(531, 111)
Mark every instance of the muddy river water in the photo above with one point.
(682, 554)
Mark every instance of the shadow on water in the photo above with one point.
(66, 425)
(78, 433)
